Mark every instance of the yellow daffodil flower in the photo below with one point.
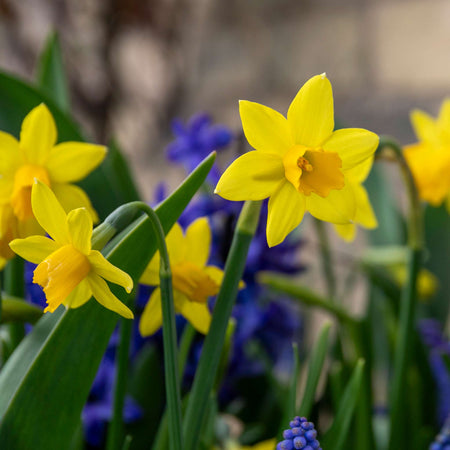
(69, 271)
(193, 281)
(36, 156)
(429, 159)
(364, 214)
(300, 163)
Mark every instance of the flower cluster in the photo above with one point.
(301, 434)
(442, 441)
(36, 156)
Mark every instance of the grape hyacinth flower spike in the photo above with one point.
(300, 435)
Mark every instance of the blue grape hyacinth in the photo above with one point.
(301, 434)
(442, 441)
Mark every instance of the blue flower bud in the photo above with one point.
(302, 435)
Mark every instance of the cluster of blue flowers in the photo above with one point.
(439, 349)
(301, 434)
(442, 441)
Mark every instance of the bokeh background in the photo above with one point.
(133, 65)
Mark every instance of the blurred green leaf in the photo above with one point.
(315, 367)
(56, 363)
(17, 310)
(290, 404)
(51, 77)
(287, 285)
(337, 437)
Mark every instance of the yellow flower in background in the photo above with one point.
(36, 156)
(270, 444)
(300, 163)
(193, 281)
(427, 282)
(69, 271)
(429, 159)
(364, 214)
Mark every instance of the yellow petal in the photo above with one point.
(353, 145)
(6, 189)
(266, 130)
(197, 314)
(253, 176)
(102, 267)
(79, 296)
(364, 214)
(425, 127)
(346, 232)
(444, 116)
(151, 319)
(339, 207)
(215, 274)
(73, 197)
(311, 115)
(360, 172)
(72, 161)
(49, 213)
(286, 210)
(38, 135)
(198, 242)
(79, 224)
(34, 248)
(10, 156)
(176, 245)
(105, 297)
(151, 272)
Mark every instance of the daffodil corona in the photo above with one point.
(429, 159)
(300, 163)
(68, 270)
(193, 281)
(36, 156)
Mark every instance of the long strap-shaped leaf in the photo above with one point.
(46, 382)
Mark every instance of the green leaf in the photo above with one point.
(56, 363)
(286, 285)
(290, 406)
(337, 437)
(51, 76)
(315, 370)
(17, 310)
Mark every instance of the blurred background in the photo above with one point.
(133, 65)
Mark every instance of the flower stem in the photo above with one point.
(398, 408)
(169, 339)
(214, 341)
(169, 333)
(327, 263)
(185, 345)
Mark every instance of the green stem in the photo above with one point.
(327, 263)
(116, 429)
(214, 341)
(185, 345)
(169, 334)
(399, 403)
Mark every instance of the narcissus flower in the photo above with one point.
(36, 156)
(429, 159)
(300, 163)
(364, 214)
(69, 271)
(193, 281)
